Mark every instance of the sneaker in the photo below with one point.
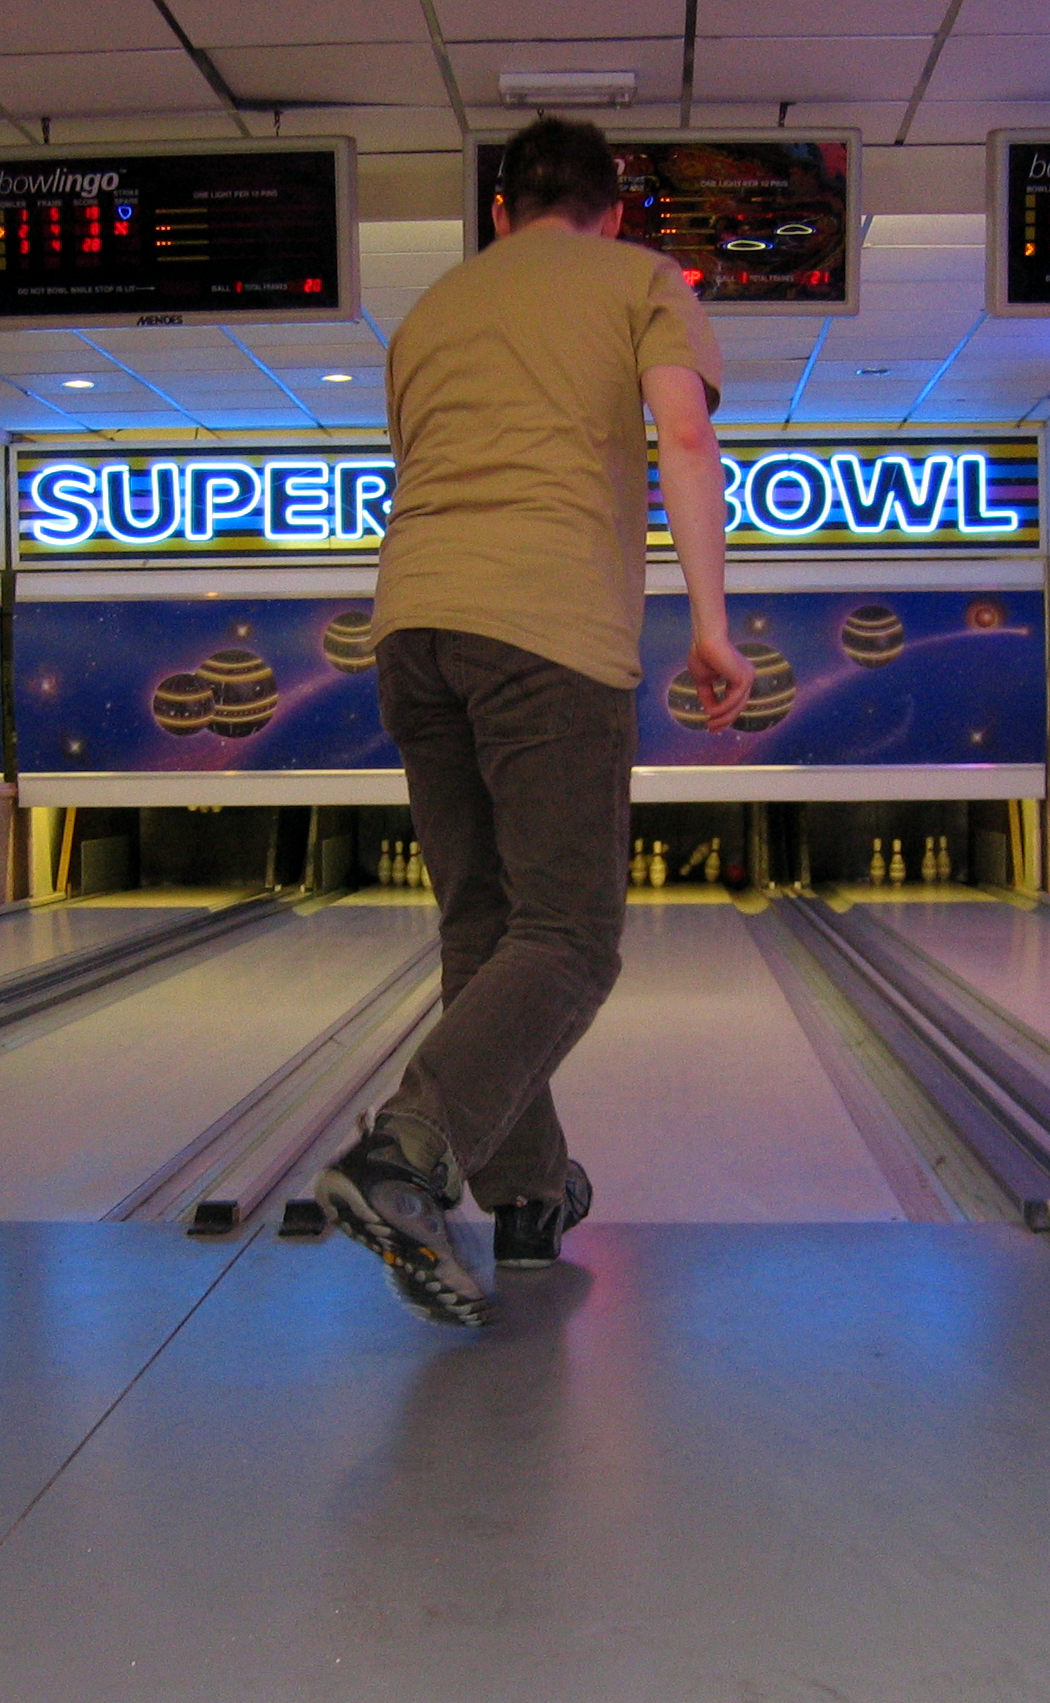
(529, 1232)
(373, 1194)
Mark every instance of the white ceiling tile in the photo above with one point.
(552, 20)
(375, 129)
(922, 266)
(70, 130)
(414, 270)
(832, 68)
(254, 419)
(387, 302)
(903, 373)
(918, 230)
(21, 413)
(989, 17)
(771, 18)
(153, 418)
(970, 121)
(144, 82)
(276, 23)
(1014, 69)
(878, 121)
(395, 74)
(434, 236)
(82, 26)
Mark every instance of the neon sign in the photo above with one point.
(782, 496)
(225, 502)
(789, 495)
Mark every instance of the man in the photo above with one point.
(507, 619)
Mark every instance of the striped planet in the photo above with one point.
(873, 636)
(183, 704)
(772, 691)
(348, 642)
(244, 688)
(683, 702)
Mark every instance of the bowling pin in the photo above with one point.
(877, 867)
(658, 865)
(639, 865)
(695, 859)
(713, 862)
(897, 869)
(944, 862)
(929, 861)
(414, 866)
(424, 876)
(384, 869)
(398, 866)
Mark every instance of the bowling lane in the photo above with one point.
(38, 934)
(91, 1108)
(696, 1096)
(1000, 950)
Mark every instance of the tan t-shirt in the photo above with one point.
(516, 420)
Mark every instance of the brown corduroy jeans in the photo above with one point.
(518, 774)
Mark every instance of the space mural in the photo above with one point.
(201, 685)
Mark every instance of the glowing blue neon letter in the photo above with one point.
(812, 494)
(296, 499)
(893, 486)
(363, 494)
(974, 513)
(61, 492)
(218, 490)
(118, 515)
(734, 507)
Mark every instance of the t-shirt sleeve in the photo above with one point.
(673, 330)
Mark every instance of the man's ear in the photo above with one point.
(500, 217)
(610, 225)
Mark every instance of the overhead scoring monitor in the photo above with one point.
(178, 234)
(760, 221)
(1018, 241)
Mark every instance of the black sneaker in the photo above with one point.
(529, 1232)
(373, 1194)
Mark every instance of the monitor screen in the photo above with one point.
(1018, 240)
(177, 235)
(764, 222)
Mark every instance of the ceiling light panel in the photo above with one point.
(478, 65)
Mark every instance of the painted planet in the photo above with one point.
(985, 614)
(683, 703)
(182, 704)
(772, 691)
(348, 642)
(244, 688)
(872, 636)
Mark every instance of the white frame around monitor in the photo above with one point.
(996, 247)
(344, 153)
(619, 135)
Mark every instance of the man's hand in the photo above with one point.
(723, 680)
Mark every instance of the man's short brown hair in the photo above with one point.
(556, 165)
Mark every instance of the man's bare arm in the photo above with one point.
(694, 497)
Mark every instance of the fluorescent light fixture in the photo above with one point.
(337, 378)
(567, 88)
(78, 383)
